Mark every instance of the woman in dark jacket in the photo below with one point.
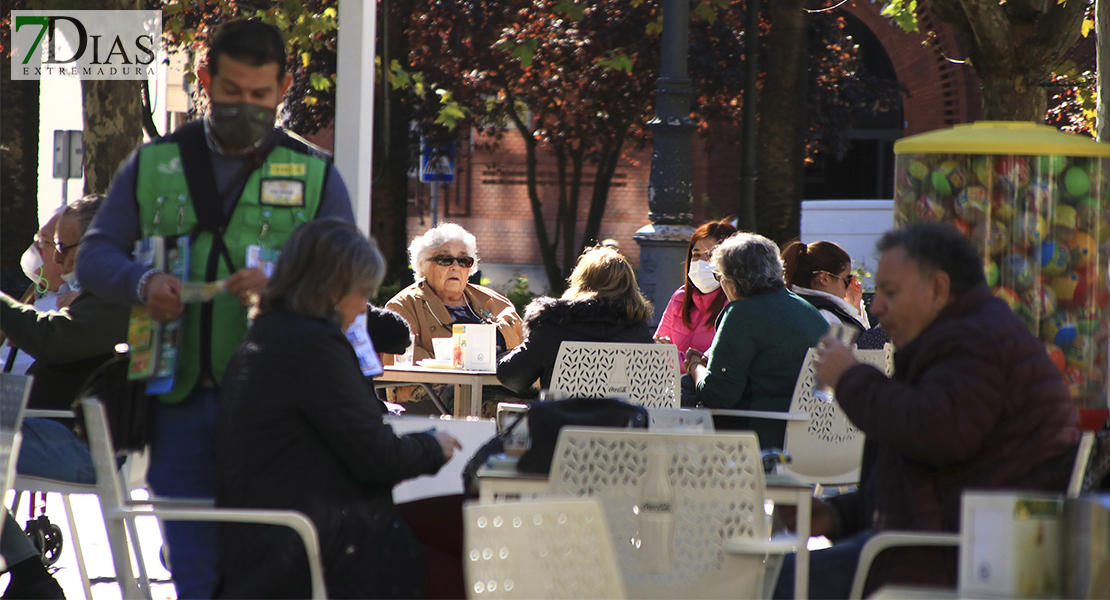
(300, 428)
(602, 304)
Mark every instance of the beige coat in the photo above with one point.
(428, 317)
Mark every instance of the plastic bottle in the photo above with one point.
(656, 519)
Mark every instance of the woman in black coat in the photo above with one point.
(602, 304)
(300, 428)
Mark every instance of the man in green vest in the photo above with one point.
(237, 187)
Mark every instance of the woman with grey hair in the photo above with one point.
(443, 259)
(762, 338)
(300, 428)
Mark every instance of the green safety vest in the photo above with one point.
(259, 218)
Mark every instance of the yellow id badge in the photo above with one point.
(282, 192)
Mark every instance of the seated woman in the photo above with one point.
(821, 273)
(442, 260)
(762, 338)
(300, 428)
(691, 316)
(602, 304)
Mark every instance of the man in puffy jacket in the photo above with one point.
(975, 403)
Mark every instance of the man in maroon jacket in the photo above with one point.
(974, 403)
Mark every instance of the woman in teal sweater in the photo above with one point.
(762, 338)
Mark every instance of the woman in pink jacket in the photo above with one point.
(691, 316)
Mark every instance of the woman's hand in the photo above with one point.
(833, 358)
(694, 359)
(662, 339)
(854, 296)
(448, 443)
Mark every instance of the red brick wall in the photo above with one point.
(500, 214)
(939, 93)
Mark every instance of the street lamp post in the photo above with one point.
(663, 243)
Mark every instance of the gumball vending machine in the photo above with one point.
(1035, 201)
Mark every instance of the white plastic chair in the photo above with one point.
(894, 539)
(542, 549)
(644, 374)
(34, 485)
(825, 448)
(117, 509)
(713, 483)
(680, 420)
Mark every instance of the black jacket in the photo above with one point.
(548, 322)
(300, 428)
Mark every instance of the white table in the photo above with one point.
(785, 489)
(468, 384)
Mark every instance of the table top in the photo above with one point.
(398, 370)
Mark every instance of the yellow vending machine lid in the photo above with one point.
(1002, 137)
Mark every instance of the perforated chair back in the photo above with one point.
(542, 549)
(643, 374)
(827, 448)
(716, 492)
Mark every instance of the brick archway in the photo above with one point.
(939, 93)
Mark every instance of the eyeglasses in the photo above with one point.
(42, 243)
(847, 279)
(717, 276)
(446, 261)
(62, 248)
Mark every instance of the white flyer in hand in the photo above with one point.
(364, 348)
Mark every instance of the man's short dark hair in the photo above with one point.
(938, 246)
(250, 41)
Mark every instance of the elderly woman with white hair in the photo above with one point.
(762, 338)
(443, 259)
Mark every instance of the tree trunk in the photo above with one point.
(113, 118)
(782, 124)
(113, 128)
(555, 281)
(1102, 30)
(603, 180)
(19, 151)
(1013, 47)
(389, 198)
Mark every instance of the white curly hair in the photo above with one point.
(424, 247)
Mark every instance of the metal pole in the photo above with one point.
(65, 191)
(671, 186)
(434, 203)
(746, 216)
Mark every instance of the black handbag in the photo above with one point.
(545, 420)
(125, 401)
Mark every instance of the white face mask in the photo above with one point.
(71, 280)
(31, 262)
(701, 275)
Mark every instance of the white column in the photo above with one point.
(354, 103)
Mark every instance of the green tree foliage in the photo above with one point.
(310, 28)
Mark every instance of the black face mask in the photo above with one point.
(241, 124)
